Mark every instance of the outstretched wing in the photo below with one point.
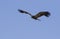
(47, 14)
(22, 11)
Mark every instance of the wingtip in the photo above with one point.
(47, 14)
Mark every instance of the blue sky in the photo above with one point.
(14, 25)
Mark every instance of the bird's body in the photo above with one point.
(43, 13)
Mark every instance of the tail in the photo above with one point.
(47, 14)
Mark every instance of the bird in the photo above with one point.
(39, 14)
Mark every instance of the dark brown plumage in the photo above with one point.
(43, 13)
(24, 12)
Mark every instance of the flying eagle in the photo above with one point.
(39, 14)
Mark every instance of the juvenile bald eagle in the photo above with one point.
(44, 13)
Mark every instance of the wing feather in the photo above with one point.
(41, 14)
(22, 11)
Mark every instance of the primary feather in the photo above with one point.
(24, 12)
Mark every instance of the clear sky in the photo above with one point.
(14, 25)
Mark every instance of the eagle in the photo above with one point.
(39, 14)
